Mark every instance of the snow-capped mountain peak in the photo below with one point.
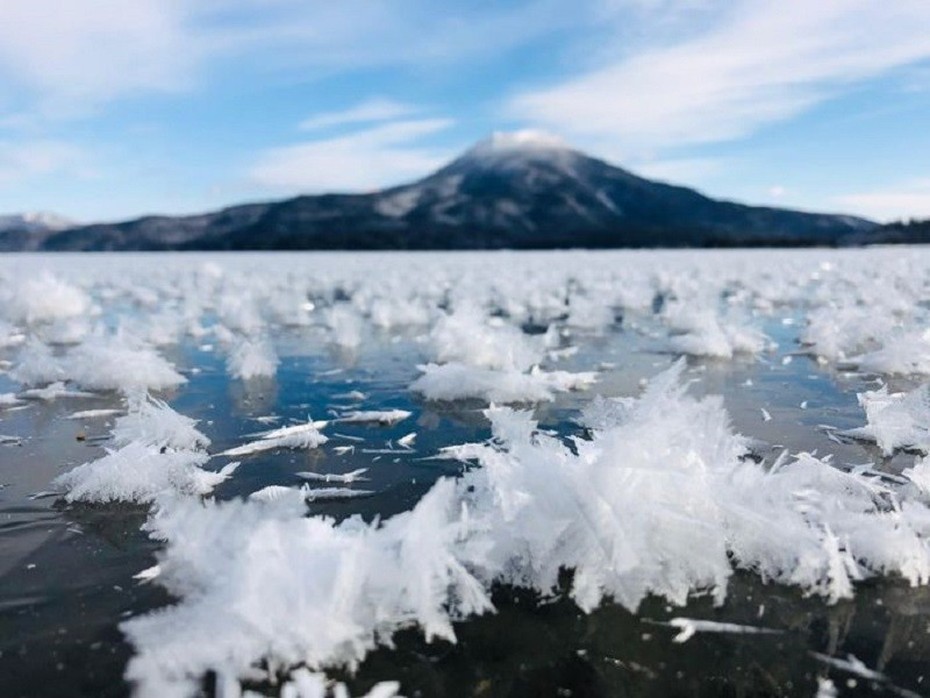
(526, 140)
(34, 221)
(511, 151)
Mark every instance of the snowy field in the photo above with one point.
(489, 474)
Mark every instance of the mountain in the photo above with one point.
(902, 232)
(518, 190)
(25, 231)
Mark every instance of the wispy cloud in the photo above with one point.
(372, 110)
(25, 160)
(758, 63)
(367, 159)
(383, 33)
(72, 55)
(908, 200)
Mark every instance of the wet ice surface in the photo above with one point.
(341, 347)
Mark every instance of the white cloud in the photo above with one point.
(66, 57)
(758, 63)
(26, 160)
(383, 33)
(74, 54)
(908, 200)
(375, 109)
(371, 158)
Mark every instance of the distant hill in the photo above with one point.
(902, 232)
(28, 231)
(523, 190)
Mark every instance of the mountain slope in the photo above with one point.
(522, 190)
(28, 231)
(911, 232)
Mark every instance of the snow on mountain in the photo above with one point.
(525, 142)
(520, 150)
(513, 153)
(34, 221)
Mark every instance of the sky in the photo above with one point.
(113, 109)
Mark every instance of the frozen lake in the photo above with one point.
(473, 474)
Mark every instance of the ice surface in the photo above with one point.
(658, 497)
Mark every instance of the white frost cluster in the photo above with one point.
(105, 363)
(46, 299)
(251, 358)
(896, 420)
(489, 360)
(160, 451)
(460, 382)
(345, 326)
(700, 330)
(138, 473)
(661, 500)
(296, 436)
(857, 309)
(152, 422)
(468, 337)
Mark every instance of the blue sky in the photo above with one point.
(116, 108)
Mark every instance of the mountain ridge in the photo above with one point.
(523, 190)
(19, 231)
